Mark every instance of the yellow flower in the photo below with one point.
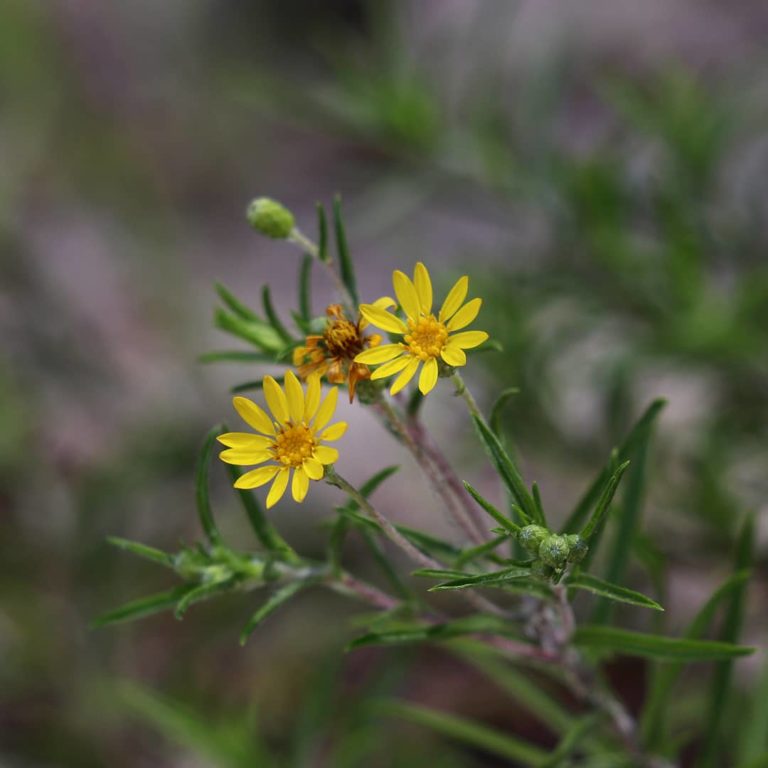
(426, 338)
(332, 354)
(292, 438)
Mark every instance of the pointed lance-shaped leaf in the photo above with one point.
(508, 472)
(142, 550)
(504, 521)
(611, 591)
(305, 292)
(346, 268)
(202, 592)
(271, 314)
(144, 606)
(202, 496)
(322, 234)
(604, 502)
(277, 599)
(495, 579)
(235, 356)
(497, 409)
(235, 304)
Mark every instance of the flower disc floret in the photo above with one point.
(426, 338)
(292, 437)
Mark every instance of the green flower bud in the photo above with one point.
(531, 537)
(270, 218)
(578, 548)
(554, 550)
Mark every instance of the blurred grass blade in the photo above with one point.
(611, 591)
(627, 643)
(322, 234)
(265, 532)
(235, 356)
(346, 268)
(503, 520)
(202, 496)
(271, 314)
(305, 292)
(664, 678)
(144, 606)
(235, 304)
(570, 741)
(578, 517)
(230, 746)
(467, 732)
(142, 550)
(497, 409)
(280, 596)
(508, 473)
(604, 502)
(720, 694)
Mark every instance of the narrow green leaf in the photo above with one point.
(664, 678)
(430, 545)
(503, 520)
(496, 579)
(570, 741)
(265, 532)
(336, 540)
(255, 332)
(322, 234)
(482, 550)
(373, 482)
(202, 592)
(579, 515)
(720, 686)
(201, 496)
(275, 600)
(604, 502)
(235, 304)
(498, 408)
(439, 573)
(142, 550)
(345, 261)
(625, 642)
(272, 317)
(305, 291)
(385, 565)
(753, 741)
(467, 732)
(144, 606)
(508, 473)
(611, 591)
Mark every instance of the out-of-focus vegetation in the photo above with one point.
(615, 200)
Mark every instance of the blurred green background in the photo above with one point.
(599, 169)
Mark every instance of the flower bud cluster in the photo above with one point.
(553, 551)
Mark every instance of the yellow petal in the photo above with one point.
(453, 355)
(326, 410)
(455, 298)
(385, 302)
(382, 319)
(294, 394)
(335, 431)
(405, 376)
(312, 399)
(406, 294)
(256, 477)
(300, 485)
(278, 488)
(379, 354)
(276, 399)
(254, 416)
(428, 376)
(244, 440)
(391, 368)
(423, 287)
(325, 455)
(465, 315)
(313, 468)
(467, 339)
(243, 457)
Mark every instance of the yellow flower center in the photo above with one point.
(426, 337)
(293, 444)
(342, 339)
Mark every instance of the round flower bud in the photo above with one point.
(578, 548)
(531, 536)
(270, 218)
(554, 550)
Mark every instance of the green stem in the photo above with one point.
(297, 237)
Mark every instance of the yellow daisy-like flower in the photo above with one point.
(426, 338)
(292, 438)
